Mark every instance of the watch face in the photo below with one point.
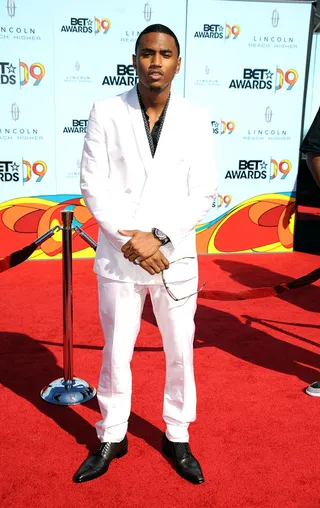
(162, 237)
(159, 234)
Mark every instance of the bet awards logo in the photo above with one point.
(223, 127)
(215, 127)
(9, 171)
(211, 32)
(218, 32)
(126, 75)
(102, 25)
(78, 126)
(264, 79)
(87, 26)
(232, 32)
(38, 169)
(36, 71)
(221, 201)
(289, 78)
(282, 168)
(147, 12)
(254, 79)
(8, 73)
(255, 169)
(249, 170)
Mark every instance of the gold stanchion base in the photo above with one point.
(68, 392)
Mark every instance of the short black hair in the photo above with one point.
(158, 28)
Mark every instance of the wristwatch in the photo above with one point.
(159, 235)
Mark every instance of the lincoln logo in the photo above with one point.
(11, 8)
(268, 114)
(207, 70)
(147, 12)
(15, 112)
(77, 66)
(275, 18)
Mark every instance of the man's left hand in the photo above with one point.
(142, 245)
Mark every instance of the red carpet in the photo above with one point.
(257, 431)
(308, 213)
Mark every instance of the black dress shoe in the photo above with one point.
(186, 464)
(97, 464)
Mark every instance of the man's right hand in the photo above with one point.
(155, 263)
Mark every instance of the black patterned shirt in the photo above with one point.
(154, 135)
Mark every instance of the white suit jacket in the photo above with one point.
(125, 188)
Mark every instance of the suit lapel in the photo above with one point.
(139, 129)
(169, 135)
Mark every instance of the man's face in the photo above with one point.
(157, 60)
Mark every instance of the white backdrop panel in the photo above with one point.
(26, 101)
(246, 62)
(94, 44)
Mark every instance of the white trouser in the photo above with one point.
(120, 307)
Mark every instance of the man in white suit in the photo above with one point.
(148, 177)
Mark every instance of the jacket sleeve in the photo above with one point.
(178, 219)
(100, 199)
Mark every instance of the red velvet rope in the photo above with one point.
(249, 294)
(209, 294)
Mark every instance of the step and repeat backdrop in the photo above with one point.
(244, 61)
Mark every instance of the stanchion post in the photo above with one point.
(67, 217)
(68, 390)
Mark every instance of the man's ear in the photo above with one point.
(134, 61)
(178, 65)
